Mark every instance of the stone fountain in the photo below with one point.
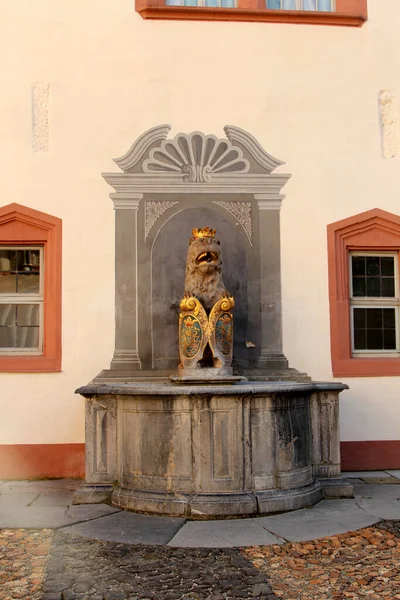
(199, 414)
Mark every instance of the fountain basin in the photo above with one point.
(206, 451)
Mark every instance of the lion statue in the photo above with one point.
(204, 268)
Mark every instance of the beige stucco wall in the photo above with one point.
(309, 94)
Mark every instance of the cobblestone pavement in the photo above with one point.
(356, 565)
(23, 557)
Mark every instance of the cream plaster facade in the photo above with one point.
(309, 94)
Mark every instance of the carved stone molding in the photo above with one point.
(196, 155)
(196, 162)
(269, 201)
(163, 183)
(140, 147)
(242, 212)
(130, 202)
(153, 211)
(265, 160)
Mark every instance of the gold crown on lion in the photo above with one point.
(204, 232)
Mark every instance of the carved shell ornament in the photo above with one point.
(196, 155)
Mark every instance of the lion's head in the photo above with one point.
(204, 268)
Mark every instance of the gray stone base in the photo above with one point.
(336, 488)
(274, 501)
(211, 376)
(93, 493)
(272, 361)
(206, 506)
(211, 451)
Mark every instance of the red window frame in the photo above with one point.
(352, 13)
(373, 230)
(20, 225)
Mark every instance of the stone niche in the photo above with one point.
(167, 187)
(266, 444)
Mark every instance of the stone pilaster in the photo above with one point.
(126, 354)
(325, 435)
(272, 356)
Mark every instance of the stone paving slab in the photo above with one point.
(130, 528)
(41, 517)
(41, 485)
(53, 499)
(394, 473)
(49, 517)
(223, 534)
(88, 512)
(381, 501)
(362, 474)
(329, 517)
(378, 492)
(9, 499)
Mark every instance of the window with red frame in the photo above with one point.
(315, 12)
(30, 290)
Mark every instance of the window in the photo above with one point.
(21, 300)
(374, 303)
(30, 290)
(313, 5)
(364, 294)
(315, 12)
(208, 3)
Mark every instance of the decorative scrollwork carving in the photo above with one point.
(154, 210)
(196, 155)
(242, 212)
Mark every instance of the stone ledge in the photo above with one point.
(336, 488)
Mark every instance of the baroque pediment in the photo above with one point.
(197, 157)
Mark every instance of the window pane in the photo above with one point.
(19, 325)
(374, 318)
(373, 287)
(379, 276)
(7, 314)
(388, 287)
(7, 260)
(374, 339)
(389, 318)
(358, 265)
(373, 265)
(19, 271)
(8, 283)
(228, 4)
(389, 339)
(27, 314)
(325, 5)
(359, 286)
(28, 284)
(274, 4)
(374, 328)
(360, 342)
(190, 3)
(289, 4)
(19, 337)
(174, 2)
(360, 318)
(387, 266)
(310, 4)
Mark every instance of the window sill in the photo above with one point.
(30, 364)
(149, 10)
(366, 367)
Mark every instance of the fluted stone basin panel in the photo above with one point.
(206, 451)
